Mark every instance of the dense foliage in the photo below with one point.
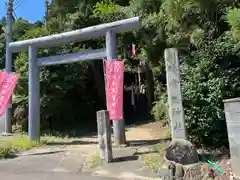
(206, 32)
(210, 75)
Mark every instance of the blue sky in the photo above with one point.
(32, 10)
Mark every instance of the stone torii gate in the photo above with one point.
(108, 30)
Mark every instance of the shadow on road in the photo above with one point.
(126, 158)
(144, 142)
(45, 153)
(71, 143)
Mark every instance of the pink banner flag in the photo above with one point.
(6, 89)
(2, 76)
(114, 88)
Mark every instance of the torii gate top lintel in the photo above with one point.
(76, 35)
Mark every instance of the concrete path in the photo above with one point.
(58, 163)
(126, 165)
(54, 176)
(46, 164)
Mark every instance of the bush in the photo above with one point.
(160, 108)
(209, 76)
(10, 146)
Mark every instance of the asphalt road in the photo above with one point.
(44, 167)
(50, 176)
(33, 168)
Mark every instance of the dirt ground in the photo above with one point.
(149, 131)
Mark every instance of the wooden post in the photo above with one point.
(176, 113)
(104, 136)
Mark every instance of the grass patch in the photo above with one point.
(156, 159)
(51, 139)
(10, 146)
(168, 133)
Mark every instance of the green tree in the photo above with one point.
(233, 18)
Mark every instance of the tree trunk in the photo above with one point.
(150, 85)
(98, 73)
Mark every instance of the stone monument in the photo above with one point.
(176, 113)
